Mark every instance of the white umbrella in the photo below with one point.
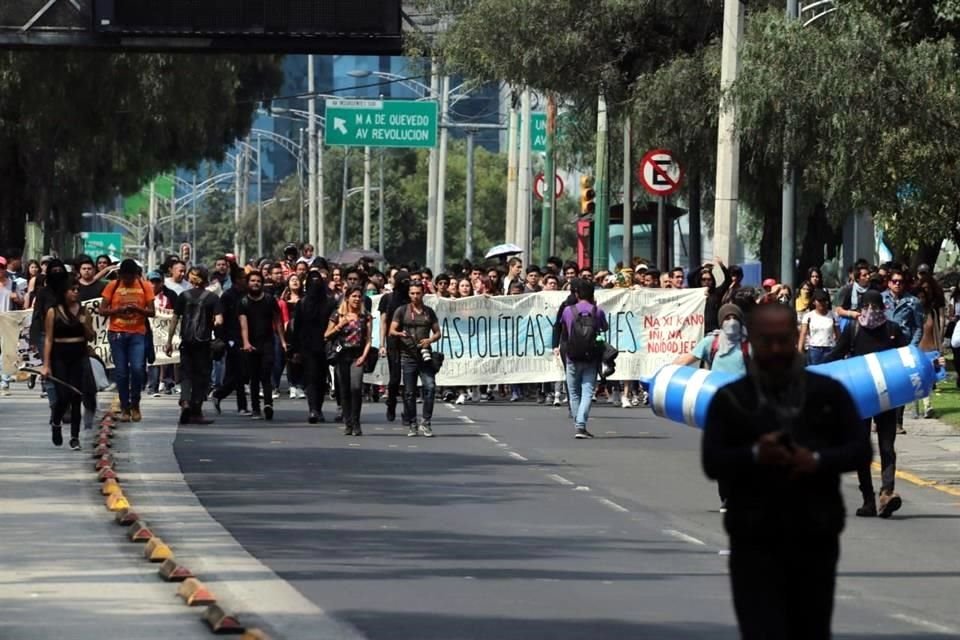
(506, 249)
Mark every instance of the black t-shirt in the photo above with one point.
(230, 305)
(213, 308)
(418, 326)
(260, 316)
(91, 291)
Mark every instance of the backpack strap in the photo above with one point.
(715, 346)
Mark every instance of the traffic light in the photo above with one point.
(587, 196)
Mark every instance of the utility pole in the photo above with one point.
(433, 166)
(601, 217)
(439, 254)
(303, 237)
(237, 188)
(549, 181)
(522, 233)
(367, 218)
(788, 214)
(343, 198)
(627, 192)
(512, 158)
(259, 202)
(152, 229)
(468, 248)
(321, 239)
(312, 180)
(728, 142)
(193, 215)
(380, 197)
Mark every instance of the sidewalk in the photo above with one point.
(68, 570)
(929, 453)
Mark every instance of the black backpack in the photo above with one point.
(582, 343)
(196, 322)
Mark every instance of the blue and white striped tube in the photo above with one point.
(877, 382)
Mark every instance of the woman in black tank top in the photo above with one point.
(67, 330)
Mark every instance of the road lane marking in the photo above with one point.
(353, 444)
(926, 624)
(560, 479)
(466, 419)
(680, 535)
(514, 454)
(912, 478)
(581, 488)
(487, 436)
(613, 505)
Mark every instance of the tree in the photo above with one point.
(78, 127)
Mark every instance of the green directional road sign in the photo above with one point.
(95, 243)
(538, 132)
(381, 123)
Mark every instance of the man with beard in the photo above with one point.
(235, 376)
(260, 324)
(90, 287)
(780, 437)
(310, 320)
(390, 345)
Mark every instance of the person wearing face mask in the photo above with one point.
(780, 437)
(873, 332)
(725, 349)
(310, 320)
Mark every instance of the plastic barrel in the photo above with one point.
(877, 382)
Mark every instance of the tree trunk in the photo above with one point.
(927, 254)
(770, 243)
(694, 240)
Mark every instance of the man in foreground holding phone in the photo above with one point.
(779, 438)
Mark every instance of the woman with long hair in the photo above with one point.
(67, 329)
(289, 299)
(818, 329)
(933, 300)
(350, 327)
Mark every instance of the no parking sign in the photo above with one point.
(659, 172)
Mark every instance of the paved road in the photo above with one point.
(505, 527)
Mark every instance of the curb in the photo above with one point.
(914, 479)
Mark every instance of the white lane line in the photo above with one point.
(926, 624)
(560, 479)
(352, 444)
(517, 456)
(680, 535)
(466, 419)
(503, 444)
(613, 505)
(581, 488)
(487, 436)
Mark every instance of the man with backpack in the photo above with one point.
(200, 311)
(582, 345)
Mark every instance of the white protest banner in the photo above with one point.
(508, 339)
(15, 329)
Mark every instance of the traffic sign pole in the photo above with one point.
(548, 212)
(601, 216)
(660, 174)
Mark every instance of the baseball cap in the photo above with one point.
(641, 267)
(46, 259)
(769, 283)
(154, 275)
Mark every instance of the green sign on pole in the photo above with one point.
(381, 123)
(95, 243)
(538, 133)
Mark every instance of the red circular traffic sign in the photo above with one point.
(539, 186)
(659, 172)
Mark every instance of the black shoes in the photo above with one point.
(391, 412)
(184, 415)
(869, 508)
(56, 432)
(348, 431)
(583, 434)
(314, 418)
(268, 412)
(74, 444)
(216, 405)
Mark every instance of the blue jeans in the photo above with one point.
(816, 355)
(581, 378)
(129, 360)
(412, 369)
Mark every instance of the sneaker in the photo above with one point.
(426, 429)
(256, 415)
(461, 398)
(56, 434)
(268, 412)
(313, 418)
(135, 415)
(124, 416)
(582, 434)
(216, 405)
(634, 401)
(900, 430)
(161, 387)
(391, 412)
(157, 394)
(723, 506)
(469, 397)
(74, 444)
(929, 413)
(625, 402)
(245, 413)
(869, 508)
(485, 397)
(357, 431)
(348, 431)
(514, 396)
(613, 398)
(556, 400)
(276, 394)
(412, 431)
(889, 502)
(541, 399)
(301, 394)
(176, 389)
(293, 393)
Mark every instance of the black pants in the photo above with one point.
(69, 363)
(315, 370)
(195, 367)
(783, 589)
(235, 377)
(350, 386)
(886, 436)
(396, 374)
(260, 366)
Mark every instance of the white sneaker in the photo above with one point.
(469, 396)
(161, 387)
(176, 390)
(625, 402)
(276, 394)
(293, 393)
(556, 399)
(301, 394)
(614, 398)
(461, 398)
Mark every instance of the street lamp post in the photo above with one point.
(312, 152)
(343, 199)
(367, 222)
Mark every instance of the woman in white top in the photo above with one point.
(818, 330)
